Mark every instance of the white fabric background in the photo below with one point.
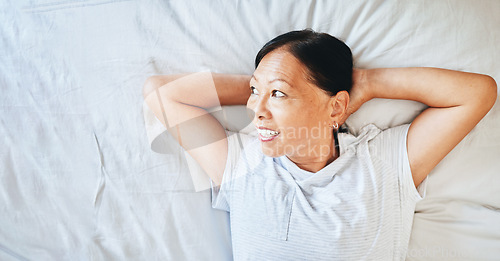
(80, 179)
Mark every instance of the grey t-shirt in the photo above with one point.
(359, 207)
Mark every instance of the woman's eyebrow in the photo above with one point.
(276, 79)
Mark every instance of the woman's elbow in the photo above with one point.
(490, 92)
(485, 95)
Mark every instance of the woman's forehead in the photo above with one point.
(279, 66)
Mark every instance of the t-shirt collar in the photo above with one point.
(299, 174)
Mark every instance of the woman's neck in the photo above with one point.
(315, 164)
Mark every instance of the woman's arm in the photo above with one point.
(457, 102)
(180, 103)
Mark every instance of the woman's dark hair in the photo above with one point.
(327, 59)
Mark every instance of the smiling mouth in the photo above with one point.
(267, 135)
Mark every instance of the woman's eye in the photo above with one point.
(253, 90)
(278, 94)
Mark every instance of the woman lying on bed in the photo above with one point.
(302, 190)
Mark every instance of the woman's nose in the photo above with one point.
(261, 109)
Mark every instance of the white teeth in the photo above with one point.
(267, 133)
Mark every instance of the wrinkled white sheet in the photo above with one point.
(80, 179)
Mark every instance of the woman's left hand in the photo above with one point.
(359, 92)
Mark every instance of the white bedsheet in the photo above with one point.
(80, 179)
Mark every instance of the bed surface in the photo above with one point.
(88, 174)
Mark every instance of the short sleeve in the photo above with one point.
(390, 146)
(221, 195)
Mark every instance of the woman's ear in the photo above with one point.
(339, 104)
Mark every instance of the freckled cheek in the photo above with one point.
(297, 123)
(288, 124)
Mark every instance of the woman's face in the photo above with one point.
(292, 114)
